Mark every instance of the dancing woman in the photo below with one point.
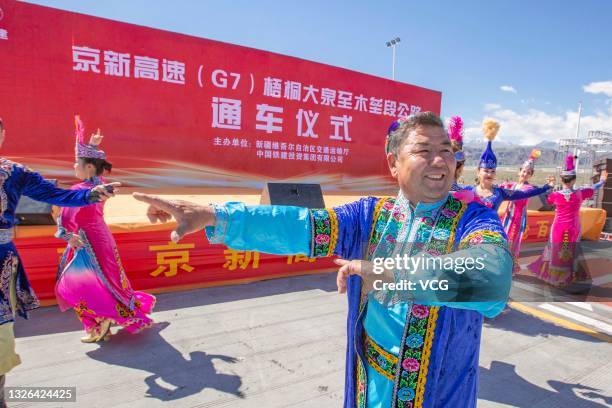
(514, 219)
(557, 265)
(91, 279)
(492, 195)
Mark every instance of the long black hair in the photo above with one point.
(101, 165)
(568, 179)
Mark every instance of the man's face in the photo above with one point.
(425, 165)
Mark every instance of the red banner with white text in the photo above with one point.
(183, 111)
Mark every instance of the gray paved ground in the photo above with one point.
(281, 343)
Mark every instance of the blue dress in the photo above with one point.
(502, 194)
(401, 353)
(15, 181)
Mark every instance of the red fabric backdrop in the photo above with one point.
(151, 261)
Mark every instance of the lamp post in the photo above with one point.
(391, 44)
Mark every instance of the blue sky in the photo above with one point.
(546, 51)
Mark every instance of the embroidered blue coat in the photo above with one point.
(15, 181)
(407, 355)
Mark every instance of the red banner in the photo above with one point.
(152, 261)
(184, 111)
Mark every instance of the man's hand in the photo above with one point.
(190, 217)
(365, 269)
(105, 191)
(346, 268)
(76, 242)
(550, 180)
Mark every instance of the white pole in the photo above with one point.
(578, 126)
(393, 68)
(578, 135)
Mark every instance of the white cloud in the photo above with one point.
(491, 106)
(507, 88)
(603, 87)
(535, 126)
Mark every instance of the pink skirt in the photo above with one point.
(83, 286)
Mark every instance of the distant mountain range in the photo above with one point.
(547, 144)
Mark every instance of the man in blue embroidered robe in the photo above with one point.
(405, 348)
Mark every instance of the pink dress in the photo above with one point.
(514, 221)
(557, 264)
(91, 280)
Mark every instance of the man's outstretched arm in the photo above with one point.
(271, 229)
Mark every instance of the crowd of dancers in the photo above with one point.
(558, 263)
